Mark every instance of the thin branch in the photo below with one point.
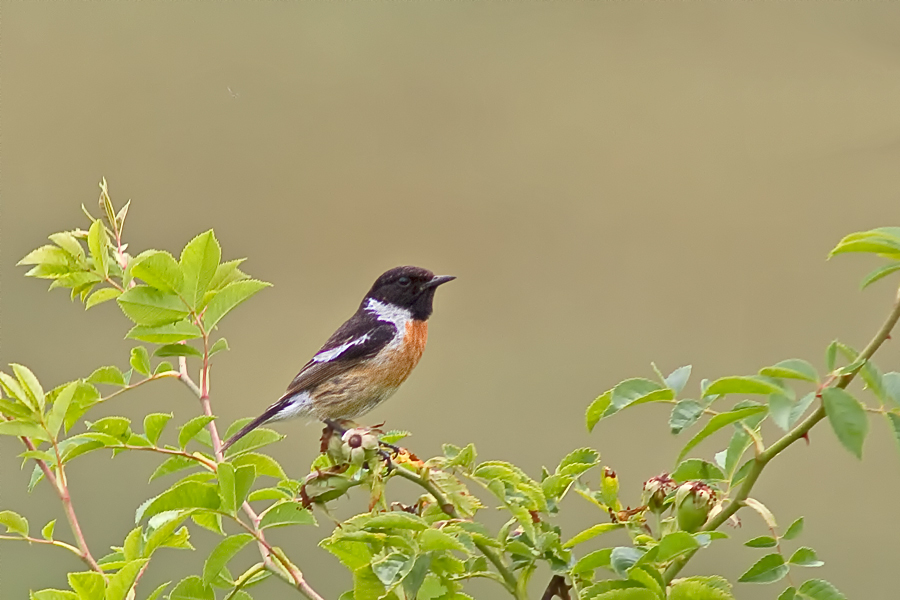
(122, 390)
(798, 432)
(450, 511)
(32, 540)
(203, 461)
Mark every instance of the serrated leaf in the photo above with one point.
(30, 385)
(632, 392)
(763, 541)
(21, 429)
(59, 407)
(50, 594)
(158, 591)
(140, 360)
(189, 430)
(177, 350)
(154, 424)
(190, 494)
(48, 255)
(693, 588)
(819, 589)
(14, 522)
(742, 385)
(110, 375)
(677, 379)
(593, 560)
(158, 270)
(287, 513)
(685, 414)
(847, 418)
(150, 307)
(165, 334)
(436, 540)
(228, 298)
(173, 464)
(255, 439)
(100, 296)
(120, 583)
(596, 409)
(718, 422)
(222, 554)
(768, 569)
(675, 544)
(792, 368)
(396, 520)
(226, 273)
(794, 530)
(262, 463)
(192, 588)
(116, 427)
(88, 585)
(592, 532)
(805, 557)
(198, 263)
(98, 242)
(872, 242)
(578, 461)
(697, 469)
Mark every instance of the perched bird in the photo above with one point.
(364, 362)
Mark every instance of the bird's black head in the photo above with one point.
(408, 287)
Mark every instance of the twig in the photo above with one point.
(32, 540)
(450, 511)
(800, 431)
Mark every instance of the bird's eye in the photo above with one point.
(404, 281)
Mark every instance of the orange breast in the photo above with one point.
(407, 354)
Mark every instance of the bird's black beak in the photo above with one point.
(438, 280)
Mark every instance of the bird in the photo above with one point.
(364, 362)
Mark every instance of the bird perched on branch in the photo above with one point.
(364, 362)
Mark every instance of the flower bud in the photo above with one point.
(358, 445)
(655, 491)
(693, 501)
(609, 489)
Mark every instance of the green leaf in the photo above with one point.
(69, 243)
(698, 588)
(685, 414)
(623, 558)
(225, 475)
(592, 532)
(436, 540)
(88, 585)
(872, 242)
(578, 461)
(243, 481)
(21, 429)
(718, 422)
(173, 464)
(391, 567)
(263, 464)
(163, 367)
(677, 379)
(98, 242)
(396, 520)
(140, 360)
(223, 552)
(793, 368)
(593, 560)
(86, 396)
(190, 494)
(596, 409)
(121, 582)
(220, 345)
(742, 385)
(287, 513)
(47, 531)
(847, 417)
(675, 544)
(14, 522)
(177, 350)
(149, 307)
(879, 273)
(253, 440)
(794, 530)
(766, 570)
(154, 423)
(109, 375)
(780, 408)
(13, 389)
(53, 595)
(58, 409)
(697, 469)
(199, 261)
(30, 384)
(800, 407)
(805, 557)
(632, 392)
(190, 429)
(192, 588)
(788, 594)
(165, 334)
(228, 298)
(226, 273)
(100, 296)
(158, 591)
(117, 427)
(763, 541)
(158, 270)
(48, 255)
(831, 355)
(819, 589)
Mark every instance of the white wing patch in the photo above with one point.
(327, 355)
(390, 313)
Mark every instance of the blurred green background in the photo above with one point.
(613, 184)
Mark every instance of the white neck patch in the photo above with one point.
(390, 313)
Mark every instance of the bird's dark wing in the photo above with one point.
(340, 353)
(336, 358)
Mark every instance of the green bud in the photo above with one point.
(655, 491)
(609, 489)
(693, 501)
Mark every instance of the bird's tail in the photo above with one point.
(269, 414)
